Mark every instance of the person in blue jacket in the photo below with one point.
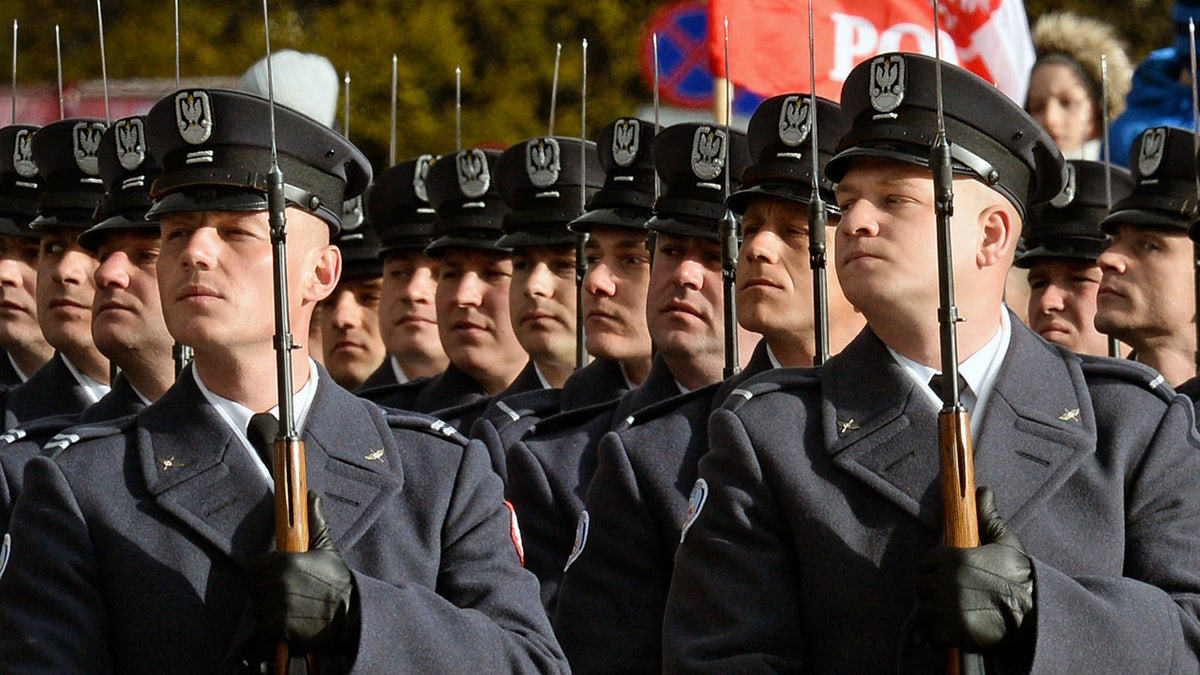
(1162, 88)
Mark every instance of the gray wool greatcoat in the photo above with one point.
(128, 547)
(823, 494)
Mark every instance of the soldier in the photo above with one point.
(21, 338)
(415, 567)
(309, 84)
(615, 587)
(549, 472)
(1147, 293)
(350, 333)
(812, 536)
(474, 274)
(775, 277)
(398, 210)
(541, 182)
(1062, 241)
(127, 320)
(617, 278)
(127, 317)
(77, 375)
(543, 185)
(618, 268)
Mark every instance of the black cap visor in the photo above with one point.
(1072, 248)
(681, 227)
(632, 218)
(485, 240)
(739, 201)
(91, 238)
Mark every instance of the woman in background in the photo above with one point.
(1065, 84)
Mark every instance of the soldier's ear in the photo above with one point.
(999, 231)
(326, 271)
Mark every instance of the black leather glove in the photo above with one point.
(307, 599)
(976, 598)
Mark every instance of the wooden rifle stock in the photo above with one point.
(291, 524)
(960, 522)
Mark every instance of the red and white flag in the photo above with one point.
(768, 40)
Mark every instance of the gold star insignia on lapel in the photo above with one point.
(170, 463)
(1071, 415)
(848, 425)
(374, 455)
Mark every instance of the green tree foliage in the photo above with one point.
(505, 49)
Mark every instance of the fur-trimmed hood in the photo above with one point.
(1083, 40)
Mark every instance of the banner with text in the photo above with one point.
(768, 40)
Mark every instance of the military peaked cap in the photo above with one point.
(215, 150)
(470, 209)
(890, 107)
(1163, 163)
(67, 156)
(127, 169)
(1068, 226)
(398, 206)
(692, 160)
(545, 186)
(627, 197)
(780, 138)
(20, 185)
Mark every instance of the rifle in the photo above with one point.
(818, 217)
(581, 239)
(291, 475)
(729, 242)
(181, 354)
(113, 369)
(1114, 345)
(392, 133)
(14, 74)
(1196, 142)
(62, 107)
(960, 522)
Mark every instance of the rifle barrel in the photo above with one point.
(817, 219)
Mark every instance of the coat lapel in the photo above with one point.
(1038, 426)
(880, 429)
(450, 389)
(658, 386)
(353, 460)
(199, 471)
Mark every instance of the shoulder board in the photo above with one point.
(403, 419)
(1095, 367)
(539, 402)
(86, 432)
(384, 392)
(777, 379)
(670, 405)
(43, 426)
(573, 418)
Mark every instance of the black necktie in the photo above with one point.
(261, 433)
(938, 381)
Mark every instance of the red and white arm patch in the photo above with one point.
(515, 531)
